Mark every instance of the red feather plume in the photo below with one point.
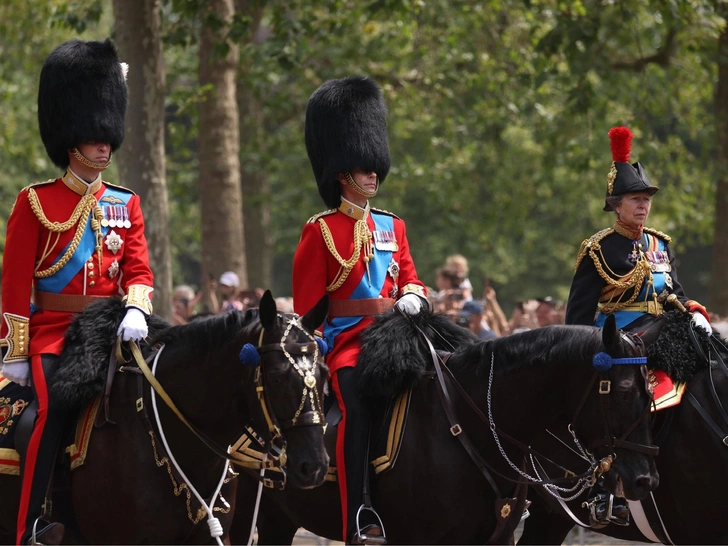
(620, 143)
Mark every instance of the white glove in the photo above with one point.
(410, 304)
(134, 325)
(17, 371)
(701, 321)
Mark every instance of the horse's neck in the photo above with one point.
(523, 401)
(205, 399)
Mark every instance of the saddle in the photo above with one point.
(17, 416)
(388, 428)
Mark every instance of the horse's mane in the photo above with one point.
(394, 357)
(214, 331)
(537, 347)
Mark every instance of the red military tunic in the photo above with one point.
(32, 248)
(315, 267)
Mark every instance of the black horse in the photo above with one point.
(693, 466)
(435, 493)
(128, 492)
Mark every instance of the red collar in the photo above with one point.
(625, 231)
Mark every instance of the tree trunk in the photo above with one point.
(141, 158)
(718, 301)
(254, 179)
(221, 199)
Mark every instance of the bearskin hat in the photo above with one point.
(625, 177)
(346, 129)
(82, 97)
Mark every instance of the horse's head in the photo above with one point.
(289, 381)
(613, 417)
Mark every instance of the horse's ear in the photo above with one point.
(268, 312)
(315, 317)
(650, 335)
(610, 334)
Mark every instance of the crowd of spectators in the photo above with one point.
(453, 295)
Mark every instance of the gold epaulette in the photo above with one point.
(43, 183)
(589, 243)
(660, 234)
(382, 211)
(315, 217)
(117, 187)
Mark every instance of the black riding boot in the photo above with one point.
(356, 439)
(37, 463)
(599, 501)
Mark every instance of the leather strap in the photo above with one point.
(63, 303)
(360, 308)
(704, 414)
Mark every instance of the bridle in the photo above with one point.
(309, 412)
(602, 364)
(583, 481)
(310, 408)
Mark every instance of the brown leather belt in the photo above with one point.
(64, 303)
(359, 308)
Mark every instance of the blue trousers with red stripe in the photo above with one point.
(351, 447)
(36, 465)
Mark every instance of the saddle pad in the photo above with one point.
(13, 400)
(248, 451)
(667, 393)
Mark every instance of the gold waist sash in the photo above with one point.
(652, 307)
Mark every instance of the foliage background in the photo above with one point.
(499, 112)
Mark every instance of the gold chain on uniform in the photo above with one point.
(642, 270)
(362, 237)
(85, 206)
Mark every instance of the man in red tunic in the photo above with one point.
(69, 241)
(357, 254)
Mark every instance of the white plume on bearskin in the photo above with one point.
(82, 97)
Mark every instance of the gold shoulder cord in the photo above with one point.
(85, 206)
(634, 279)
(362, 237)
(660, 234)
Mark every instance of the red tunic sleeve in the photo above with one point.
(309, 269)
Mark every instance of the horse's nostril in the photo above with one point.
(305, 468)
(646, 483)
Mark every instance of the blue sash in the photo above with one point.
(378, 273)
(86, 248)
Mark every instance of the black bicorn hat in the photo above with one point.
(625, 177)
(82, 97)
(346, 129)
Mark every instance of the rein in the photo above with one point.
(276, 457)
(588, 478)
(456, 429)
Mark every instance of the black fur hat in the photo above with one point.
(346, 129)
(82, 98)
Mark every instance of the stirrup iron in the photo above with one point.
(364, 538)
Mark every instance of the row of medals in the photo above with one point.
(115, 217)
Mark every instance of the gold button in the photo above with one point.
(91, 275)
(90, 265)
(92, 283)
(21, 337)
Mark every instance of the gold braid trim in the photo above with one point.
(586, 244)
(660, 234)
(362, 237)
(80, 215)
(615, 284)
